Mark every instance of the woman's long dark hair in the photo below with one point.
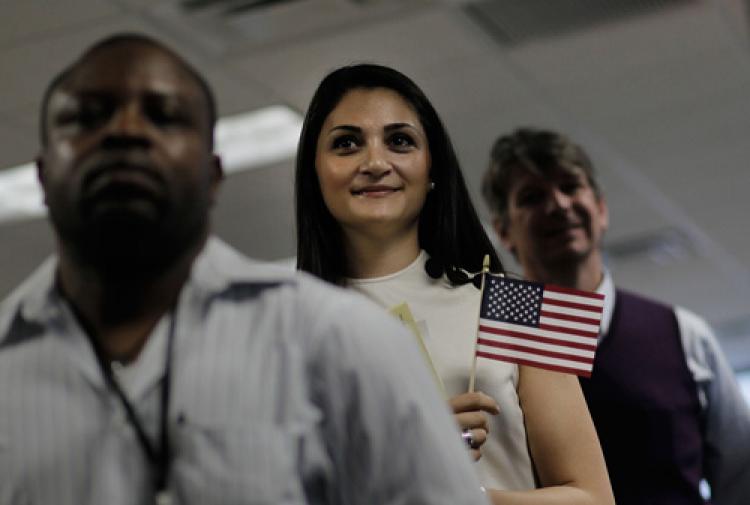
(449, 228)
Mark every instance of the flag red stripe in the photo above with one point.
(573, 305)
(571, 291)
(554, 368)
(571, 331)
(567, 317)
(537, 338)
(532, 350)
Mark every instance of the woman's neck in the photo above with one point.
(369, 256)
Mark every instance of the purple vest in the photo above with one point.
(644, 404)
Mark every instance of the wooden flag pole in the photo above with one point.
(485, 270)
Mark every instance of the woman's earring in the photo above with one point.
(432, 185)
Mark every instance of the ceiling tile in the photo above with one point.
(410, 42)
(32, 21)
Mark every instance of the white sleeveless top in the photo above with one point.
(447, 317)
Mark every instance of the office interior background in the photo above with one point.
(657, 91)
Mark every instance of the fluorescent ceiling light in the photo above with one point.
(245, 141)
(20, 196)
(258, 138)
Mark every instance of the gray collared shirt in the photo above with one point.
(284, 390)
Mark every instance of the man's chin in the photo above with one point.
(122, 225)
(565, 256)
(130, 241)
(123, 250)
(125, 244)
(136, 211)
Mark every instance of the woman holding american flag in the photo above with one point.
(382, 208)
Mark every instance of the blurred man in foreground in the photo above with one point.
(148, 362)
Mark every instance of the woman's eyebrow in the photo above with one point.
(396, 126)
(346, 127)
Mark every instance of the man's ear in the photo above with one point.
(41, 175)
(603, 212)
(500, 225)
(217, 176)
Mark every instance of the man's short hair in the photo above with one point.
(125, 38)
(538, 151)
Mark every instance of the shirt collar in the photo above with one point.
(34, 299)
(217, 268)
(607, 288)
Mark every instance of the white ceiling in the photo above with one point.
(660, 98)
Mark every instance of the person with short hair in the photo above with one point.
(664, 400)
(382, 208)
(149, 362)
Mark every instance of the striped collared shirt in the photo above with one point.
(284, 390)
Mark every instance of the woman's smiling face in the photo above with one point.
(373, 163)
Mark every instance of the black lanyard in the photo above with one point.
(158, 456)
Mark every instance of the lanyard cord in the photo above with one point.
(159, 457)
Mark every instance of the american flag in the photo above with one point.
(539, 325)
